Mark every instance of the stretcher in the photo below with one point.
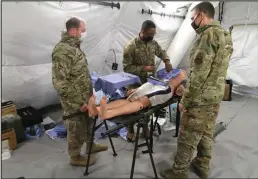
(141, 120)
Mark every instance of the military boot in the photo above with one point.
(169, 174)
(201, 173)
(82, 161)
(96, 148)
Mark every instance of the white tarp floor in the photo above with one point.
(235, 152)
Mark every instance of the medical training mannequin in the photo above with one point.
(135, 104)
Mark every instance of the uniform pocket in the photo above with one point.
(138, 57)
(195, 119)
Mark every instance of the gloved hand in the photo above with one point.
(168, 66)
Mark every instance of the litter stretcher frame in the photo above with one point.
(141, 120)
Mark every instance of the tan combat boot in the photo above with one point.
(96, 148)
(82, 161)
(169, 174)
(197, 170)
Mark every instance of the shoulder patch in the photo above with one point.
(199, 59)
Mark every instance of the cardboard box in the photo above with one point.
(10, 135)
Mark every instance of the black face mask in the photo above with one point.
(193, 24)
(147, 38)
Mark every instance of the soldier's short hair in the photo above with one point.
(148, 24)
(72, 23)
(206, 8)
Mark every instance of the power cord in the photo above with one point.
(114, 65)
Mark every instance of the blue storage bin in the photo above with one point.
(163, 74)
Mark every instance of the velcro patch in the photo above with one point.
(198, 59)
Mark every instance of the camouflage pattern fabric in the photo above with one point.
(71, 79)
(138, 54)
(197, 130)
(209, 60)
(79, 130)
(205, 89)
(70, 75)
(197, 126)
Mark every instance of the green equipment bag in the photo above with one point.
(13, 121)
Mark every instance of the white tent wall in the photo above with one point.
(29, 40)
(31, 29)
(243, 66)
(180, 43)
(127, 27)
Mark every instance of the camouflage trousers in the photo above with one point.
(79, 130)
(196, 131)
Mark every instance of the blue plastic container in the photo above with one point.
(163, 74)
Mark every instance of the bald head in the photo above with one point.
(75, 27)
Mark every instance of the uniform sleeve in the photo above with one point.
(62, 67)
(128, 60)
(82, 82)
(199, 70)
(162, 54)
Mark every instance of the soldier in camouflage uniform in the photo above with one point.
(71, 79)
(139, 57)
(204, 92)
(139, 53)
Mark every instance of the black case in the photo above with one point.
(30, 116)
(6, 104)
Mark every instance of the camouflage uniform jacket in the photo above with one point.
(70, 75)
(138, 54)
(209, 59)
